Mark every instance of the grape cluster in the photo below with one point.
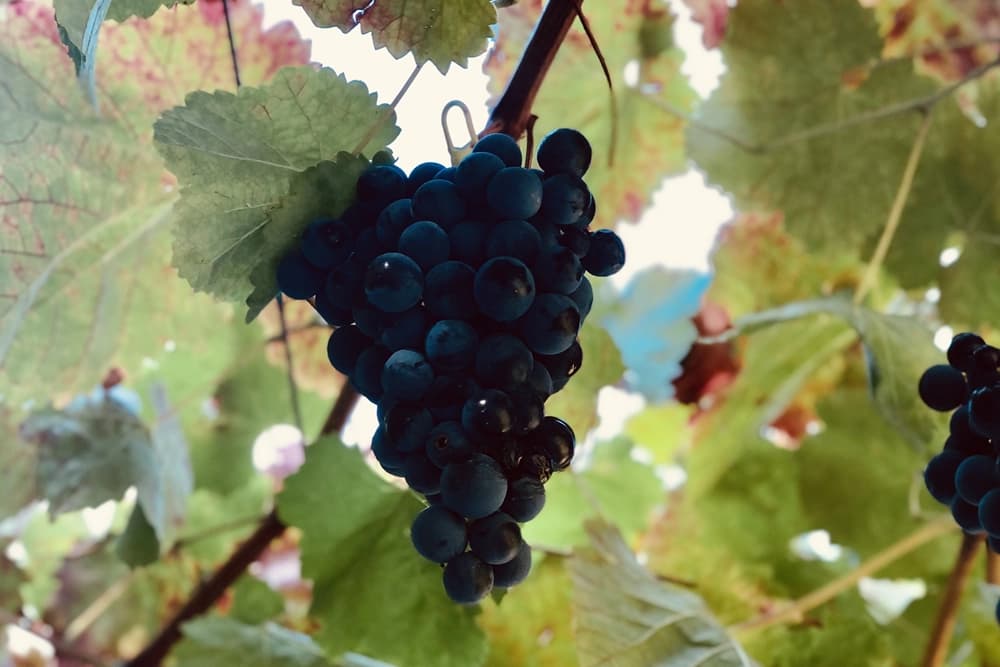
(458, 294)
(966, 474)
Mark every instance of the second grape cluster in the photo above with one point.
(458, 294)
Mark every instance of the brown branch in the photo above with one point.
(992, 566)
(208, 592)
(944, 624)
(511, 114)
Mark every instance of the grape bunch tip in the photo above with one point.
(966, 474)
(457, 295)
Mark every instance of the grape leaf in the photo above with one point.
(602, 365)
(216, 642)
(651, 324)
(138, 546)
(46, 543)
(980, 614)
(236, 157)
(625, 616)
(897, 350)
(122, 10)
(650, 142)
(613, 484)
(660, 429)
(254, 601)
(440, 31)
(84, 251)
(360, 558)
(308, 335)
(531, 627)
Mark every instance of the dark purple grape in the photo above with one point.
(474, 488)
(495, 539)
(525, 498)
(503, 146)
(489, 413)
(515, 571)
(565, 150)
(939, 476)
(504, 289)
(961, 348)
(467, 580)
(515, 193)
(438, 534)
(942, 387)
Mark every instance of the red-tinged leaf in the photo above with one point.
(308, 336)
(713, 16)
(650, 142)
(708, 368)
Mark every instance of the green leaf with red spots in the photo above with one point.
(650, 141)
(440, 31)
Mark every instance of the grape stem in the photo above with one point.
(794, 611)
(992, 566)
(944, 624)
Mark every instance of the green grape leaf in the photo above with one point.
(85, 262)
(660, 429)
(219, 642)
(216, 521)
(897, 350)
(322, 190)
(236, 157)
(47, 543)
(613, 485)
(777, 363)
(254, 601)
(602, 365)
(789, 70)
(650, 141)
(533, 610)
(11, 579)
(122, 10)
(367, 580)
(440, 31)
(625, 616)
(137, 546)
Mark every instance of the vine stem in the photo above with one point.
(992, 566)
(944, 624)
(512, 111)
(870, 276)
(381, 120)
(797, 609)
(293, 387)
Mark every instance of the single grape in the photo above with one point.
(345, 346)
(449, 291)
(297, 278)
(468, 242)
(961, 348)
(438, 534)
(558, 270)
(394, 282)
(405, 330)
(583, 297)
(514, 238)
(540, 380)
(575, 238)
(565, 150)
(984, 412)
(606, 256)
(976, 476)
(528, 409)
(939, 476)
(422, 173)
(407, 375)
(989, 512)
(985, 360)
(448, 443)
(407, 426)
(515, 193)
(475, 488)
(368, 318)
(332, 314)
(514, 571)
(966, 516)
(451, 345)
(381, 184)
(391, 222)
(390, 458)
(565, 199)
(551, 324)
(474, 173)
(425, 243)
(503, 360)
(555, 439)
(446, 174)
(963, 438)
(421, 474)
(327, 243)
(503, 146)
(525, 499)
(367, 375)
(467, 580)
(563, 366)
(495, 539)
(438, 200)
(490, 413)
(344, 283)
(942, 387)
(504, 289)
